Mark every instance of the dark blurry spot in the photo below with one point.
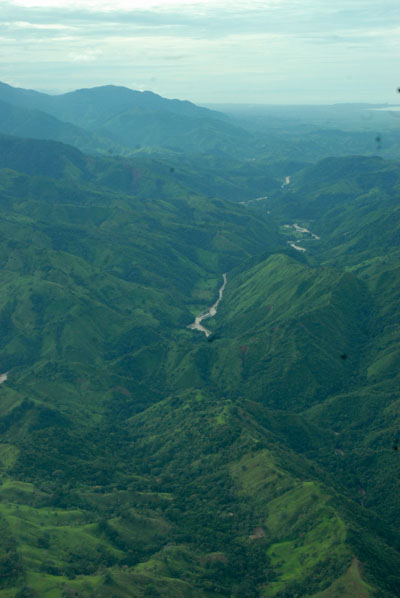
(378, 140)
(343, 356)
(398, 89)
(212, 338)
(395, 447)
(172, 169)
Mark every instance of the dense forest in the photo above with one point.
(142, 458)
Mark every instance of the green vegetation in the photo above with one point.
(137, 457)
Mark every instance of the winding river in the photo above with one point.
(197, 324)
(302, 230)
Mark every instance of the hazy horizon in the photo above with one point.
(277, 52)
(383, 105)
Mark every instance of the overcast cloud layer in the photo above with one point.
(270, 51)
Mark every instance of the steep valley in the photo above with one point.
(142, 459)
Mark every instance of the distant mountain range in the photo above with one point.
(120, 121)
(119, 117)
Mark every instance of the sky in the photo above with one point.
(207, 51)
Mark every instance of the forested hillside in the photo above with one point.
(141, 458)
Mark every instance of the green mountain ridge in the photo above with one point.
(138, 458)
(38, 124)
(359, 231)
(162, 175)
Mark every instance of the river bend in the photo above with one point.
(210, 313)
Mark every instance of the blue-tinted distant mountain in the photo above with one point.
(36, 124)
(135, 119)
(27, 98)
(91, 106)
(315, 132)
(43, 158)
(346, 116)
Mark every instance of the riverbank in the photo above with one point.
(210, 313)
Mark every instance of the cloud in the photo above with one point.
(204, 50)
(87, 55)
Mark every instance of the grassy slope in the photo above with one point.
(280, 333)
(358, 222)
